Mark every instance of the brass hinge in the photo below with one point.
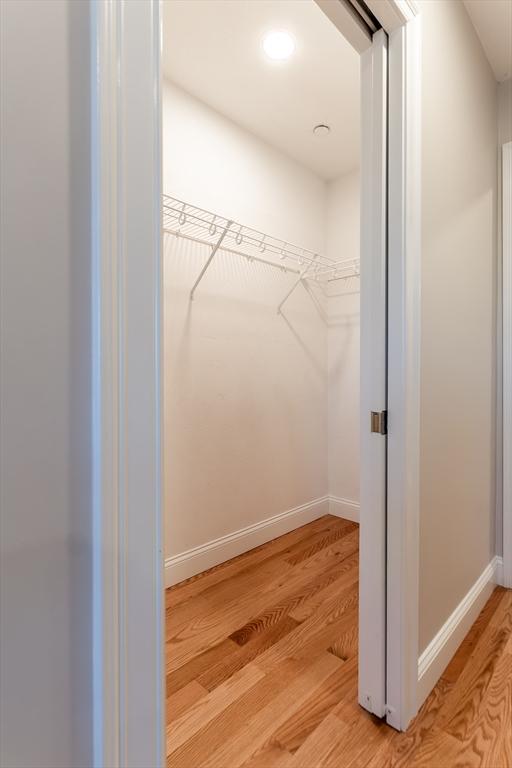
(379, 422)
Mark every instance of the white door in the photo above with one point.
(372, 586)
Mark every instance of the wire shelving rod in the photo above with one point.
(199, 225)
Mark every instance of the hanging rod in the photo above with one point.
(182, 219)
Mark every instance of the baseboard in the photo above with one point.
(198, 559)
(436, 657)
(349, 510)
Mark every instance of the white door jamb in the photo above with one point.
(127, 633)
(507, 362)
(404, 339)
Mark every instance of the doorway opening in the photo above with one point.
(128, 598)
(261, 381)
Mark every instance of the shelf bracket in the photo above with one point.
(300, 279)
(210, 258)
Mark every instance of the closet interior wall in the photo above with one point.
(343, 237)
(253, 400)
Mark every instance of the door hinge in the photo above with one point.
(379, 422)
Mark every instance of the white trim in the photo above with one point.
(507, 362)
(437, 655)
(404, 340)
(127, 589)
(105, 428)
(348, 510)
(198, 559)
(393, 14)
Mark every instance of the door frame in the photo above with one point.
(506, 218)
(128, 583)
(128, 610)
(404, 357)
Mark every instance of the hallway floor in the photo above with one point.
(262, 669)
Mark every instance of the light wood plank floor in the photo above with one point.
(262, 669)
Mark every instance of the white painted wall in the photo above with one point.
(45, 555)
(245, 389)
(458, 358)
(210, 161)
(342, 241)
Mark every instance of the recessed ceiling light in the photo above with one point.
(278, 45)
(321, 129)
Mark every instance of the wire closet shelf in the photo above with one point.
(198, 225)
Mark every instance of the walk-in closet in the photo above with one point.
(261, 338)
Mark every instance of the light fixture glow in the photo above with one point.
(278, 45)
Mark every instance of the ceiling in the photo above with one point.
(492, 20)
(212, 49)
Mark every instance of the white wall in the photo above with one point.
(210, 161)
(45, 579)
(458, 361)
(245, 389)
(342, 241)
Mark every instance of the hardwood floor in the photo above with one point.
(262, 669)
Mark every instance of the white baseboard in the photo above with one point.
(193, 561)
(437, 655)
(349, 510)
